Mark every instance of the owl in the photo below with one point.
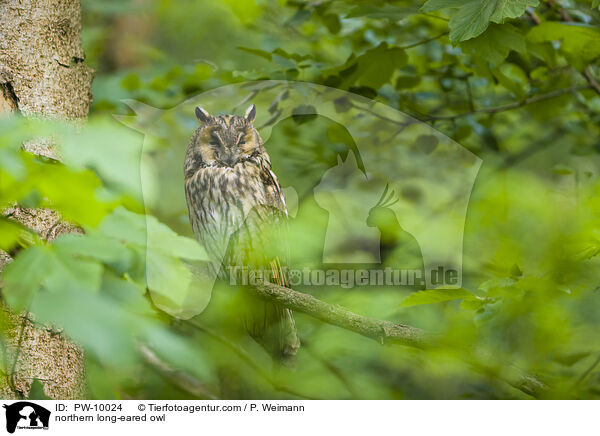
(237, 211)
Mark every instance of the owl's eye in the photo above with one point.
(240, 139)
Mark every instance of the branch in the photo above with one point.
(248, 359)
(509, 106)
(180, 379)
(563, 13)
(424, 41)
(534, 16)
(589, 76)
(401, 124)
(384, 332)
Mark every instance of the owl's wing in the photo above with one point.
(261, 242)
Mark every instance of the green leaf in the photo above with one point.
(125, 226)
(131, 82)
(246, 11)
(278, 52)
(499, 287)
(495, 44)
(162, 238)
(573, 358)
(510, 9)
(69, 272)
(11, 233)
(146, 231)
(168, 277)
(174, 288)
(50, 268)
(541, 285)
(173, 348)
(376, 66)
(106, 330)
(407, 82)
(371, 69)
(11, 162)
(427, 143)
(111, 150)
(92, 245)
(431, 296)
(472, 17)
(73, 193)
(471, 20)
(436, 5)
(332, 22)
(127, 294)
(579, 42)
(472, 304)
(562, 169)
(23, 276)
(512, 78)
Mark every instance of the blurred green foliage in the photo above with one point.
(510, 80)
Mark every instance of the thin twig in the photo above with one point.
(469, 93)
(382, 117)
(242, 354)
(563, 13)
(534, 16)
(337, 373)
(12, 383)
(182, 380)
(588, 371)
(509, 106)
(425, 41)
(589, 76)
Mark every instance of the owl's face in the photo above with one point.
(227, 140)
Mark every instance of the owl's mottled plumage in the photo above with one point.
(237, 210)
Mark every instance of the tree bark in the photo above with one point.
(42, 74)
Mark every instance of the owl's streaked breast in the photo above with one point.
(220, 199)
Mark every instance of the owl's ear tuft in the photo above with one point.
(202, 115)
(250, 113)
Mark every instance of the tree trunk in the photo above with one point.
(42, 74)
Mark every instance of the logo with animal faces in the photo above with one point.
(367, 186)
(26, 415)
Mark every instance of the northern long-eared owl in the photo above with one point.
(237, 211)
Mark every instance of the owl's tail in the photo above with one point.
(272, 325)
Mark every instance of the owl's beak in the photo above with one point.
(230, 159)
